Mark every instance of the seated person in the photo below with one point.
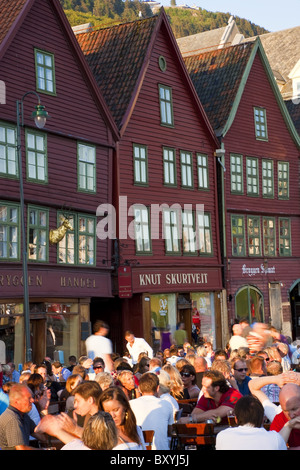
(217, 401)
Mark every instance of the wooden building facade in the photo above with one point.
(168, 255)
(67, 173)
(259, 183)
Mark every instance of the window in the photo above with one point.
(285, 246)
(45, 72)
(171, 231)
(204, 234)
(78, 247)
(166, 107)
(9, 232)
(140, 164)
(202, 163)
(283, 180)
(86, 167)
(8, 151)
(238, 235)
(267, 178)
(186, 160)
(169, 167)
(260, 121)
(36, 148)
(38, 234)
(236, 174)
(254, 237)
(142, 230)
(188, 232)
(252, 176)
(269, 237)
(249, 302)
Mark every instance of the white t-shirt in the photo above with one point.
(237, 342)
(98, 346)
(155, 414)
(139, 345)
(249, 438)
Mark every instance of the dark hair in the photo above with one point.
(129, 425)
(148, 383)
(191, 369)
(218, 380)
(249, 410)
(98, 325)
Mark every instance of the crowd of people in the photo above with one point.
(106, 400)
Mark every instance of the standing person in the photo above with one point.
(237, 340)
(135, 346)
(180, 335)
(97, 345)
(153, 413)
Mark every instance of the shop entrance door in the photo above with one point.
(38, 340)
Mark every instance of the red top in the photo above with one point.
(278, 423)
(229, 398)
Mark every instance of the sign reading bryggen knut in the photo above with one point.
(176, 280)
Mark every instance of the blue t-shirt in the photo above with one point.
(244, 387)
(4, 401)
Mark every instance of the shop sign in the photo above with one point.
(174, 279)
(257, 270)
(125, 282)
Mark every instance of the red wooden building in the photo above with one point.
(164, 168)
(259, 191)
(67, 171)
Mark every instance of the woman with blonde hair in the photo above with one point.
(100, 433)
(176, 389)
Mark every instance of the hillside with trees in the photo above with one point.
(184, 22)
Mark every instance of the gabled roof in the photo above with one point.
(12, 15)
(219, 78)
(116, 56)
(293, 107)
(119, 57)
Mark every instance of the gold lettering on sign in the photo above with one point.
(15, 281)
(173, 279)
(80, 282)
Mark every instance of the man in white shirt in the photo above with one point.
(135, 346)
(153, 413)
(97, 345)
(237, 340)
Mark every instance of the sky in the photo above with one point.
(273, 15)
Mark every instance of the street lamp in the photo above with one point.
(39, 115)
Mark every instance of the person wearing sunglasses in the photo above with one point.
(188, 375)
(240, 372)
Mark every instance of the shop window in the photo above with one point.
(12, 332)
(62, 330)
(249, 303)
(203, 307)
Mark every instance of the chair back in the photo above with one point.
(194, 434)
(148, 438)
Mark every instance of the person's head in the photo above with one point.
(176, 380)
(56, 367)
(72, 360)
(239, 369)
(200, 364)
(129, 336)
(105, 380)
(237, 329)
(289, 399)
(221, 355)
(20, 397)
(222, 366)
(100, 432)
(249, 410)
(148, 384)
(86, 398)
(155, 364)
(98, 365)
(213, 384)
(258, 366)
(114, 401)
(100, 328)
(188, 375)
(24, 377)
(42, 370)
(208, 346)
(143, 365)
(73, 381)
(126, 378)
(165, 383)
(274, 368)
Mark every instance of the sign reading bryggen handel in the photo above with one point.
(172, 280)
(49, 283)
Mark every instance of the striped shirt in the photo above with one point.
(15, 429)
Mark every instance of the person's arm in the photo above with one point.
(56, 426)
(200, 416)
(288, 427)
(256, 384)
(109, 362)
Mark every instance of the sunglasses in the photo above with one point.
(98, 367)
(185, 374)
(242, 370)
